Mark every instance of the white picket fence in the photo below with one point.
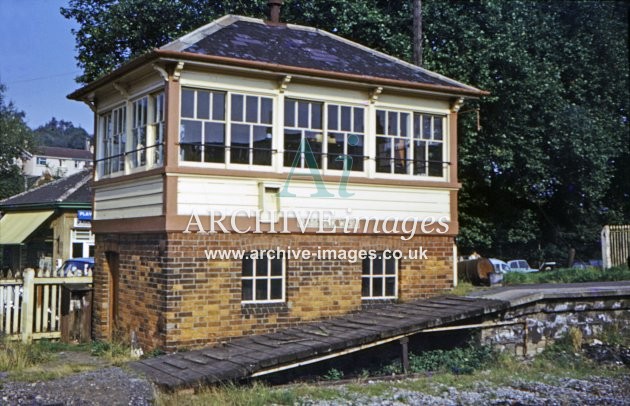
(615, 245)
(30, 303)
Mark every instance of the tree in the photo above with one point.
(550, 164)
(60, 133)
(15, 139)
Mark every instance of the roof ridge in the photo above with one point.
(183, 42)
(76, 187)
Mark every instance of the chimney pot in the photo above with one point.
(274, 10)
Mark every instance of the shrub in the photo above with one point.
(569, 275)
(463, 360)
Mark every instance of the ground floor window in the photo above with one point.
(82, 244)
(379, 278)
(263, 278)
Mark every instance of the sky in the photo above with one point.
(37, 62)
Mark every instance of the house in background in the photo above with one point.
(43, 226)
(244, 115)
(56, 161)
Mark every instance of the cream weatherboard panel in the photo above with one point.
(141, 198)
(205, 194)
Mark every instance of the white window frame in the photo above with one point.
(371, 276)
(410, 139)
(325, 133)
(264, 279)
(113, 124)
(228, 122)
(41, 161)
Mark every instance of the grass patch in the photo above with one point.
(568, 275)
(46, 373)
(116, 352)
(463, 288)
(255, 394)
(17, 356)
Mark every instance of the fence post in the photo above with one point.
(28, 301)
(606, 247)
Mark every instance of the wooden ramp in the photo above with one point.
(258, 355)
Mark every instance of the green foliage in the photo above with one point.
(16, 356)
(60, 133)
(15, 139)
(619, 273)
(333, 374)
(549, 165)
(461, 360)
(115, 351)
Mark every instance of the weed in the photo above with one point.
(16, 356)
(463, 360)
(114, 351)
(333, 374)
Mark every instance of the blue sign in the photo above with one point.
(84, 215)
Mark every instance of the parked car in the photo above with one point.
(548, 266)
(78, 266)
(499, 266)
(520, 265)
(580, 265)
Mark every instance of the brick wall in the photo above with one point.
(172, 297)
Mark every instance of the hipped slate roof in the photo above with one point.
(72, 191)
(291, 49)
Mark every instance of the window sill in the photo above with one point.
(261, 308)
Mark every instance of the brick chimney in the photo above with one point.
(274, 11)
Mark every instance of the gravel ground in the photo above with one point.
(107, 386)
(594, 391)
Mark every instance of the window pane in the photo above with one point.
(261, 289)
(365, 266)
(316, 113)
(190, 140)
(248, 267)
(400, 156)
(416, 125)
(346, 118)
(276, 267)
(380, 122)
(252, 109)
(214, 139)
(291, 146)
(390, 266)
(203, 104)
(289, 113)
(355, 149)
(365, 287)
(333, 117)
(377, 266)
(314, 140)
(419, 153)
(262, 145)
(437, 128)
(266, 110)
(248, 290)
(237, 107)
(383, 151)
(218, 106)
(335, 151)
(276, 289)
(262, 267)
(404, 117)
(303, 112)
(358, 120)
(392, 123)
(239, 151)
(426, 127)
(188, 103)
(377, 287)
(435, 159)
(390, 286)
